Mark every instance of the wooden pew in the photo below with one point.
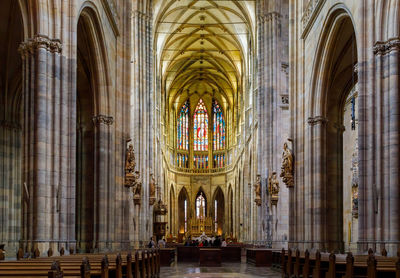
(74, 266)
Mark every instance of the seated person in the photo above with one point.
(223, 244)
(161, 243)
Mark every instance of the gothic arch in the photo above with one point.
(94, 135)
(318, 97)
(13, 32)
(334, 77)
(90, 18)
(183, 195)
(219, 210)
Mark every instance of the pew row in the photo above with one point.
(144, 264)
(330, 265)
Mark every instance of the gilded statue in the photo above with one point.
(273, 188)
(287, 166)
(273, 184)
(257, 189)
(130, 161)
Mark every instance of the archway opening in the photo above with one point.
(341, 134)
(11, 122)
(183, 213)
(219, 211)
(85, 140)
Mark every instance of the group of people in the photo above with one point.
(159, 244)
(205, 243)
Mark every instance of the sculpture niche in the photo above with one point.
(287, 166)
(132, 177)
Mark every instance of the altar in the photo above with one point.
(200, 226)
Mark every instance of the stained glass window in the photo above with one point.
(219, 127)
(182, 160)
(200, 161)
(219, 160)
(183, 127)
(200, 206)
(200, 127)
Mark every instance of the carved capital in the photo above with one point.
(103, 119)
(40, 41)
(317, 120)
(385, 47)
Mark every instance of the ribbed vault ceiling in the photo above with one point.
(201, 47)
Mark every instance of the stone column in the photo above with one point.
(11, 191)
(40, 167)
(103, 196)
(142, 110)
(316, 208)
(273, 101)
(384, 192)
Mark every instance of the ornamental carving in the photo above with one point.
(40, 41)
(257, 190)
(383, 48)
(152, 190)
(132, 177)
(287, 166)
(102, 119)
(273, 188)
(130, 161)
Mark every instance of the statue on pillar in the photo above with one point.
(287, 166)
(130, 161)
(273, 188)
(257, 189)
(152, 190)
(132, 177)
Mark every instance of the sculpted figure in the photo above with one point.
(287, 166)
(152, 186)
(130, 162)
(257, 189)
(137, 188)
(273, 184)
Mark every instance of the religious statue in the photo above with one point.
(152, 190)
(137, 187)
(287, 166)
(130, 162)
(257, 189)
(273, 188)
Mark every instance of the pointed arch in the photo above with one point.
(218, 212)
(183, 211)
(333, 79)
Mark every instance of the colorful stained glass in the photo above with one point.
(200, 127)
(200, 161)
(183, 127)
(182, 160)
(219, 160)
(219, 127)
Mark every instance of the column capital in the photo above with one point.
(40, 41)
(103, 119)
(385, 47)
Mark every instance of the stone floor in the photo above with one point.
(228, 270)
